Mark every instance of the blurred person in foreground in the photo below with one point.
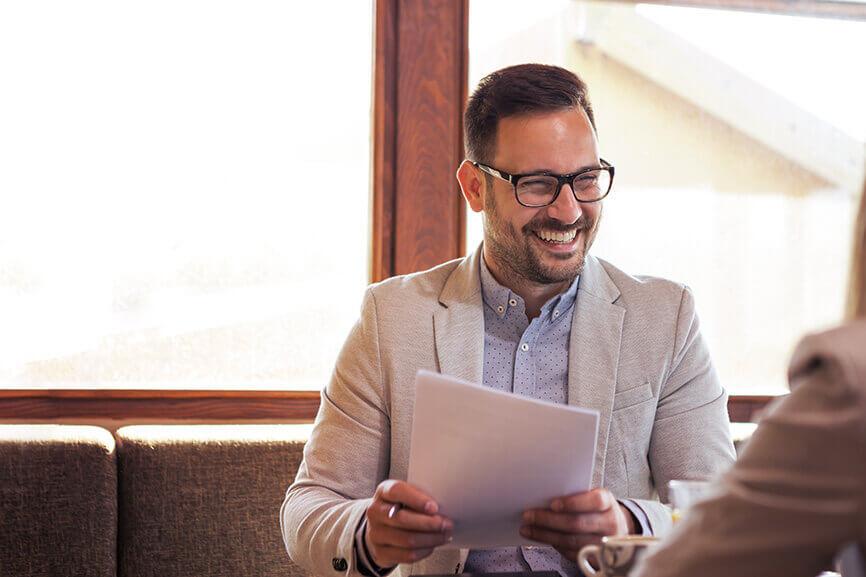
(797, 495)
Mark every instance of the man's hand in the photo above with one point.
(405, 533)
(575, 521)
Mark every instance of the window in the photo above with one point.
(738, 163)
(185, 192)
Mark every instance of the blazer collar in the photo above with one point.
(458, 324)
(595, 281)
(593, 354)
(464, 282)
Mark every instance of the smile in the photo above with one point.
(556, 237)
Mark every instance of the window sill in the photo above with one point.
(38, 405)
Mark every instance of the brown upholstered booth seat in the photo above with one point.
(205, 499)
(191, 501)
(58, 501)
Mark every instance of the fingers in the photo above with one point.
(593, 501)
(407, 519)
(418, 512)
(406, 538)
(596, 523)
(383, 535)
(411, 533)
(575, 520)
(408, 495)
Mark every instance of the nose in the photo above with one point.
(565, 208)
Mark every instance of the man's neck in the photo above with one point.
(534, 294)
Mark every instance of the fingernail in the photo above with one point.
(447, 526)
(556, 505)
(430, 507)
(525, 532)
(528, 517)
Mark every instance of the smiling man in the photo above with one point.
(530, 312)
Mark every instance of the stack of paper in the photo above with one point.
(486, 456)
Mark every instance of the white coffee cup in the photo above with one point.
(616, 556)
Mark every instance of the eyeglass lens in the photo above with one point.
(539, 190)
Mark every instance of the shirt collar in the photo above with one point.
(562, 302)
(497, 297)
(494, 294)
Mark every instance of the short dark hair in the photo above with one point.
(517, 90)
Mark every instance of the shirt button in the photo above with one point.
(500, 309)
(339, 564)
(513, 302)
(524, 347)
(555, 314)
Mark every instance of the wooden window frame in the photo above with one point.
(119, 407)
(418, 215)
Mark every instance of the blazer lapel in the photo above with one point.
(458, 329)
(458, 323)
(593, 355)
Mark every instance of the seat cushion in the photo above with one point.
(204, 500)
(58, 501)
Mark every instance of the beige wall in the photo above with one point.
(763, 242)
(647, 128)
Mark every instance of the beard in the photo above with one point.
(518, 254)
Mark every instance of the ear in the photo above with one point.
(472, 185)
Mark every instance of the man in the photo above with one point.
(529, 312)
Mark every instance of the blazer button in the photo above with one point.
(339, 564)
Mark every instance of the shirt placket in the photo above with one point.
(524, 360)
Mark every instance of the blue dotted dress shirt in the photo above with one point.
(529, 359)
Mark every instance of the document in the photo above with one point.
(485, 456)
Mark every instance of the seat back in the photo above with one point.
(58, 501)
(204, 500)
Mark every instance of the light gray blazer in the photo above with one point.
(635, 355)
(798, 493)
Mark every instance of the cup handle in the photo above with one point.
(583, 559)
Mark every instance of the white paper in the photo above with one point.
(486, 456)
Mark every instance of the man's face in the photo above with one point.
(518, 238)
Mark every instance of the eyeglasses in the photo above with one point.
(542, 189)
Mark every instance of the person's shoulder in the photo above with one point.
(843, 347)
(422, 285)
(643, 288)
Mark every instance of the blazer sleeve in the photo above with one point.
(792, 500)
(691, 437)
(346, 456)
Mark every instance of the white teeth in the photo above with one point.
(552, 236)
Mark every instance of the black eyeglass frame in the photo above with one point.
(562, 179)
